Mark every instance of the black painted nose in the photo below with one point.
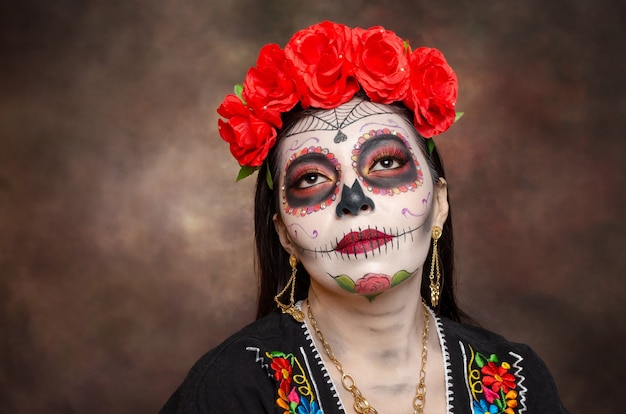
(353, 201)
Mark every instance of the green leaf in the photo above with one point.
(480, 361)
(274, 354)
(499, 403)
(268, 177)
(493, 358)
(239, 92)
(399, 277)
(245, 171)
(458, 116)
(345, 283)
(430, 143)
(372, 297)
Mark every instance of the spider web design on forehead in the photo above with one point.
(337, 118)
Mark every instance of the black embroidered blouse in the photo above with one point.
(273, 366)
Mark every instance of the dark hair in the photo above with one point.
(272, 261)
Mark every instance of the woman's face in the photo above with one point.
(356, 198)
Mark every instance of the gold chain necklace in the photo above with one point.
(361, 405)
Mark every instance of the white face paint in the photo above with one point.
(356, 197)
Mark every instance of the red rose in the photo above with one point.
(382, 67)
(433, 91)
(269, 88)
(321, 56)
(372, 283)
(250, 138)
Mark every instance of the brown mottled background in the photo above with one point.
(125, 245)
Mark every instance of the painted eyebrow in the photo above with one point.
(381, 139)
(408, 174)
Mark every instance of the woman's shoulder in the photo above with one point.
(482, 346)
(238, 364)
(273, 327)
(241, 346)
(498, 370)
(478, 336)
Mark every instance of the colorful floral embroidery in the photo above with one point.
(295, 394)
(492, 384)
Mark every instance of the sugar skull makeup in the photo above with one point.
(385, 163)
(312, 180)
(356, 197)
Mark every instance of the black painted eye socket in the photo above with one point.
(310, 179)
(386, 162)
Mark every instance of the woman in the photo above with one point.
(356, 310)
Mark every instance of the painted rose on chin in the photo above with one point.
(372, 283)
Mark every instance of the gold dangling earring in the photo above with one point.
(435, 286)
(291, 308)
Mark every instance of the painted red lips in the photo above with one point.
(362, 242)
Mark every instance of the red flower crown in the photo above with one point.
(323, 67)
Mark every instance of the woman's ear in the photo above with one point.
(283, 235)
(441, 207)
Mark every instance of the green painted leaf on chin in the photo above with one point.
(372, 297)
(345, 282)
(400, 277)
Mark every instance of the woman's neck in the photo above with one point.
(386, 329)
(380, 344)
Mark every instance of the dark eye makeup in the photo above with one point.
(310, 179)
(386, 162)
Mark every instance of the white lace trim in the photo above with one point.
(320, 362)
(446, 363)
(466, 375)
(259, 359)
(522, 389)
